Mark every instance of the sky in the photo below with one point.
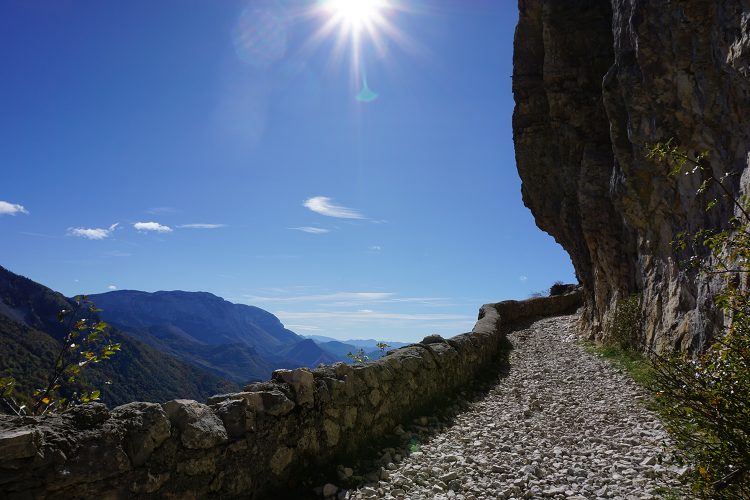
(351, 171)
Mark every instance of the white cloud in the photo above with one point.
(368, 315)
(201, 226)
(304, 328)
(311, 230)
(111, 287)
(323, 205)
(91, 233)
(152, 226)
(376, 248)
(337, 296)
(522, 278)
(348, 299)
(11, 208)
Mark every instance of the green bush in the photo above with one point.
(624, 329)
(705, 398)
(86, 342)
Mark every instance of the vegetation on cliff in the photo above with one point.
(703, 397)
(706, 397)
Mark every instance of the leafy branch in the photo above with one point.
(85, 342)
(705, 400)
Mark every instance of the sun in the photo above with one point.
(357, 25)
(357, 15)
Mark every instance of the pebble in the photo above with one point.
(562, 424)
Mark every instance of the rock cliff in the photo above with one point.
(595, 82)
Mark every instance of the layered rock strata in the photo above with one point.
(253, 444)
(595, 82)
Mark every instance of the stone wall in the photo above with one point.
(595, 82)
(253, 444)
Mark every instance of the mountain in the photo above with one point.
(357, 343)
(372, 344)
(337, 348)
(30, 337)
(309, 353)
(198, 317)
(341, 348)
(240, 342)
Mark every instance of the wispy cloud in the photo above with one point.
(347, 299)
(522, 278)
(7, 208)
(325, 297)
(201, 226)
(368, 315)
(152, 227)
(304, 328)
(376, 248)
(324, 205)
(92, 233)
(112, 287)
(311, 230)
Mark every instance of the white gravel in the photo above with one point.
(562, 424)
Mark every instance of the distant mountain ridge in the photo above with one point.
(30, 336)
(342, 348)
(240, 342)
(200, 317)
(176, 344)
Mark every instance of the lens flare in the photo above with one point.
(260, 36)
(356, 14)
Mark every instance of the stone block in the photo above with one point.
(19, 443)
(200, 428)
(281, 459)
(302, 382)
(145, 426)
(233, 414)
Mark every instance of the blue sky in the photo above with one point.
(220, 146)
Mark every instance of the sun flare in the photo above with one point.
(360, 26)
(357, 14)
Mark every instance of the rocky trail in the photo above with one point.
(561, 423)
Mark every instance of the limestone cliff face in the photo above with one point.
(595, 81)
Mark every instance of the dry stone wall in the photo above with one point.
(257, 443)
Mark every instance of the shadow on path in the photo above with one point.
(372, 462)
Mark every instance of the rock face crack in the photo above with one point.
(562, 424)
(597, 81)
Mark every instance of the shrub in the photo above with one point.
(705, 398)
(84, 343)
(624, 329)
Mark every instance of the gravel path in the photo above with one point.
(562, 424)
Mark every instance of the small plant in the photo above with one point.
(382, 346)
(358, 356)
(624, 329)
(705, 399)
(636, 364)
(84, 343)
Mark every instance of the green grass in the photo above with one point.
(668, 493)
(637, 365)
